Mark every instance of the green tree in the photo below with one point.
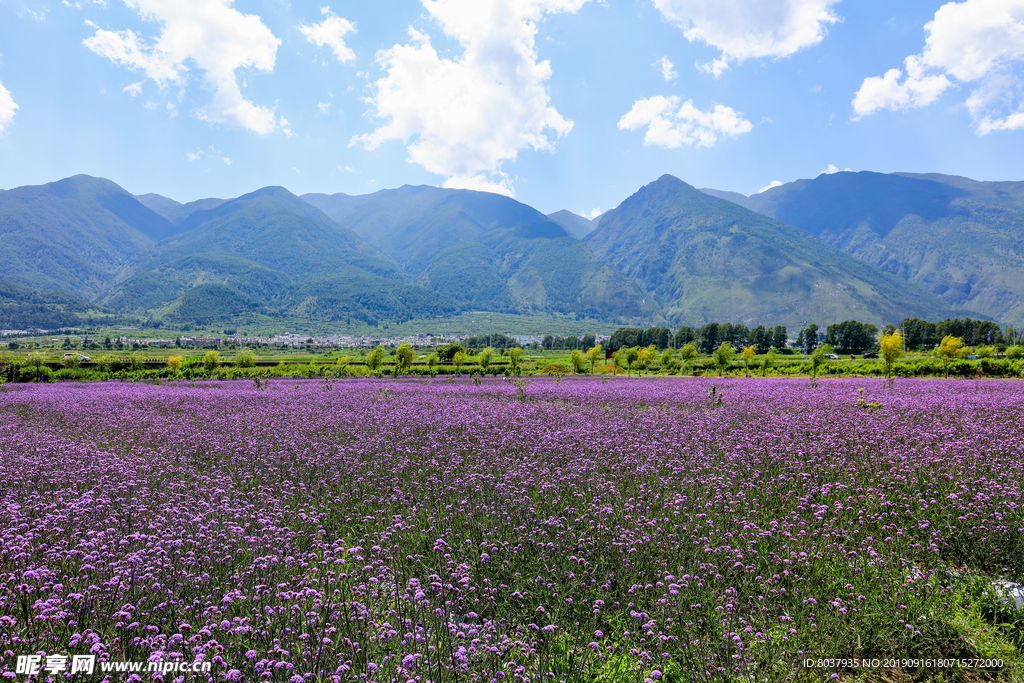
(245, 359)
(748, 354)
(817, 359)
(593, 354)
(709, 337)
(619, 359)
(173, 362)
(810, 338)
(71, 362)
(35, 358)
(211, 360)
(767, 361)
(688, 353)
(459, 358)
(723, 356)
(1015, 352)
(950, 349)
(668, 357)
(578, 360)
(985, 352)
(375, 358)
(447, 352)
(646, 357)
(136, 363)
(515, 356)
(779, 335)
(432, 360)
(485, 357)
(891, 348)
(404, 356)
(632, 355)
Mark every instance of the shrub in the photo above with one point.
(30, 373)
(245, 359)
(211, 361)
(554, 369)
(174, 363)
(72, 373)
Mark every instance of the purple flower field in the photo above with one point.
(622, 530)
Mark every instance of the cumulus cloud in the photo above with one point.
(496, 182)
(750, 29)
(774, 183)
(210, 35)
(7, 108)
(331, 32)
(980, 42)
(672, 125)
(832, 168)
(463, 117)
(668, 69)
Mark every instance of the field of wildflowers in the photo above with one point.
(669, 529)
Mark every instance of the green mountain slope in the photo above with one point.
(24, 307)
(74, 235)
(174, 211)
(150, 290)
(269, 253)
(336, 206)
(959, 238)
(574, 224)
(706, 259)
(488, 251)
(275, 229)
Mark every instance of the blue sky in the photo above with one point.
(562, 103)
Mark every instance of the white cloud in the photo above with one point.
(672, 125)
(750, 29)
(668, 69)
(594, 213)
(216, 38)
(324, 107)
(38, 16)
(7, 108)
(463, 117)
(346, 169)
(976, 41)
(134, 89)
(214, 152)
(482, 183)
(832, 168)
(774, 183)
(331, 32)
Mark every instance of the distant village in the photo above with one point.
(286, 340)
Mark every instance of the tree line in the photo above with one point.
(850, 336)
(706, 338)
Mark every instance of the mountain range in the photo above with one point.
(865, 246)
(960, 239)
